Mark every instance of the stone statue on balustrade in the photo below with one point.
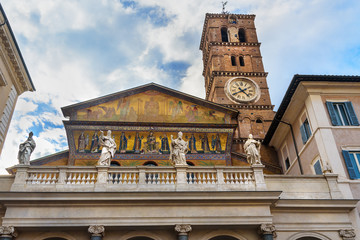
(25, 150)
(108, 149)
(178, 149)
(252, 150)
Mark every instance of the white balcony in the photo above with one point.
(140, 178)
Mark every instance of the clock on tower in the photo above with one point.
(234, 73)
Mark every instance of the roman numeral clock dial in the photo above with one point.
(242, 90)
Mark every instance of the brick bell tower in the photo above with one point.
(234, 72)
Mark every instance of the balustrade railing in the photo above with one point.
(103, 178)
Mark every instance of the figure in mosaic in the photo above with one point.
(192, 144)
(108, 148)
(25, 150)
(252, 150)
(123, 143)
(216, 143)
(81, 142)
(151, 146)
(94, 143)
(165, 144)
(205, 143)
(137, 143)
(178, 149)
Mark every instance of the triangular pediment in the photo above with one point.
(150, 103)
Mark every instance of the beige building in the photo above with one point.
(217, 194)
(14, 76)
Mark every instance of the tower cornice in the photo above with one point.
(220, 15)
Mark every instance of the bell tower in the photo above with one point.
(234, 72)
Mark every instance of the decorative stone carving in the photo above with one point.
(108, 149)
(327, 168)
(252, 150)
(97, 230)
(183, 229)
(25, 150)
(347, 234)
(178, 149)
(267, 229)
(7, 231)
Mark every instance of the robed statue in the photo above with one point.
(108, 148)
(178, 149)
(25, 150)
(252, 150)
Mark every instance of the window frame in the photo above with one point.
(284, 149)
(314, 162)
(352, 162)
(336, 115)
(305, 130)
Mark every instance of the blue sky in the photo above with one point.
(82, 49)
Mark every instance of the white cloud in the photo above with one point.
(127, 46)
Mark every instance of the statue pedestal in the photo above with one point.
(259, 176)
(181, 178)
(20, 178)
(102, 177)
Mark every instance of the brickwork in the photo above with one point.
(231, 49)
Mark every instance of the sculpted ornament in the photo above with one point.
(178, 149)
(97, 230)
(108, 149)
(267, 229)
(252, 150)
(7, 231)
(25, 150)
(347, 234)
(183, 229)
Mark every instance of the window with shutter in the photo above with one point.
(352, 161)
(318, 168)
(342, 114)
(305, 131)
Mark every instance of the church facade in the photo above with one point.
(295, 191)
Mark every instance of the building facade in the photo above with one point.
(14, 76)
(218, 195)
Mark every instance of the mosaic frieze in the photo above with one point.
(151, 142)
(151, 106)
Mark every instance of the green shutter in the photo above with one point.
(303, 134)
(351, 165)
(332, 114)
(350, 110)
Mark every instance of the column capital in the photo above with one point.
(7, 231)
(183, 229)
(96, 230)
(267, 229)
(347, 234)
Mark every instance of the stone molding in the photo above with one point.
(347, 234)
(15, 63)
(183, 229)
(7, 231)
(96, 230)
(267, 229)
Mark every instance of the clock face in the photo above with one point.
(242, 90)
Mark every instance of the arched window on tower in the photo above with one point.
(242, 35)
(224, 35)
(233, 62)
(241, 60)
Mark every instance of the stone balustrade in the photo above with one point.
(139, 178)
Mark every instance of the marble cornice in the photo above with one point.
(22, 82)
